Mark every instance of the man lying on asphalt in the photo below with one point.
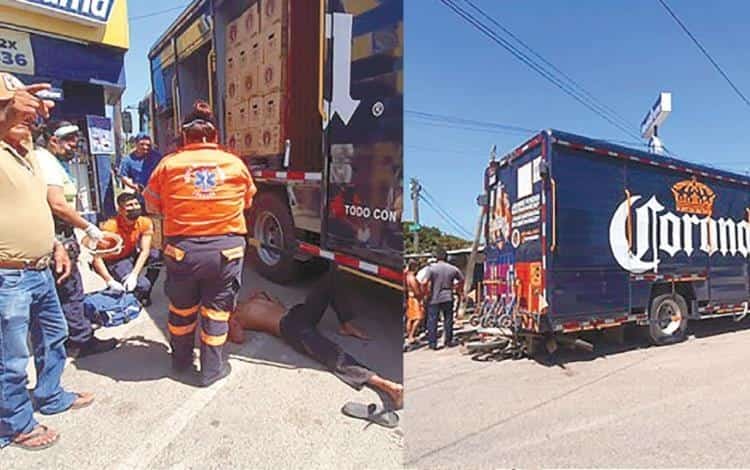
(297, 326)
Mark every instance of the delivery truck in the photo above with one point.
(309, 93)
(583, 235)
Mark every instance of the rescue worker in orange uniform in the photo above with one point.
(202, 192)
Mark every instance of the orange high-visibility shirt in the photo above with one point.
(201, 190)
(131, 234)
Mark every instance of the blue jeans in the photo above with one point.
(29, 304)
(433, 312)
(146, 280)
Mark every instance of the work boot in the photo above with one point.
(225, 371)
(90, 347)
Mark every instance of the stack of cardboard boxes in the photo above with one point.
(255, 69)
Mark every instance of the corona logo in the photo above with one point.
(692, 197)
(658, 232)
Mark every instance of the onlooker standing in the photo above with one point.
(123, 271)
(61, 195)
(443, 280)
(136, 168)
(28, 300)
(414, 308)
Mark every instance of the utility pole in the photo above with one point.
(469, 275)
(416, 189)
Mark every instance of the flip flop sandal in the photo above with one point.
(37, 432)
(83, 403)
(372, 413)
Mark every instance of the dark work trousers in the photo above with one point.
(120, 270)
(299, 329)
(71, 297)
(203, 276)
(433, 312)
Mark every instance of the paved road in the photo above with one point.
(277, 410)
(679, 406)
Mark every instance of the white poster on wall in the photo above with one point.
(16, 53)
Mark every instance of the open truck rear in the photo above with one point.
(596, 236)
(310, 94)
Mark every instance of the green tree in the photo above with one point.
(430, 238)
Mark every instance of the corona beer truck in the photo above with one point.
(585, 235)
(309, 94)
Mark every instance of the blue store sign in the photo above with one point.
(94, 12)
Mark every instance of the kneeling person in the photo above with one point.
(124, 271)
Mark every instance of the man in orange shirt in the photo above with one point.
(202, 191)
(123, 271)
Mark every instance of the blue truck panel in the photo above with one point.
(619, 225)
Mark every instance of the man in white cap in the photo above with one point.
(62, 193)
(29, 305)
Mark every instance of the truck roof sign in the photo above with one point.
(656, 115)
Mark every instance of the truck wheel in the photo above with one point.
(668, 319)
(272, 224)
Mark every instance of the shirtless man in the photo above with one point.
(297, 326)
(414, 308)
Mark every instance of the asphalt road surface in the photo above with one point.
(277, 409)
(629, 406)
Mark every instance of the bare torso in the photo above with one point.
(260, 314)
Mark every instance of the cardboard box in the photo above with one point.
(273, 108)
(272, 77)
(231, 121)
(233, 142)
(251, 21)
(234, 36)
(231, 63)
(255, 116)
(273, 43)
(250, 141)
(270, 140)
(233, 91)
(251, 83)
(271, 12)
(255, 52)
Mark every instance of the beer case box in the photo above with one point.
(250, 140)
(231, 62)
(233, 91)
(243, 113)
(251, 82)
(233, 141)
(255, 52)
(270, 140)
(231, 120)
(273, 43)
(255, 115)
(273, 108)
(251, 22)
(272, 77)
(272, 12)
(234, 36)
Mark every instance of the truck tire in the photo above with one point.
(668, 318)
(270, 222)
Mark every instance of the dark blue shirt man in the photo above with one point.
(136, 168)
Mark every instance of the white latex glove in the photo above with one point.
(114, 285)
(95, 235)
(130, 282)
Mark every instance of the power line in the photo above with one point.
(457, 120)
(704, 51)
(545, 61)
(525, 59)
(451, 225)
(156, 13)
(431, 201)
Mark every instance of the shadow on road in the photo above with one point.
(635, 338)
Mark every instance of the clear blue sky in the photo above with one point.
(143, 33)
(623, 52)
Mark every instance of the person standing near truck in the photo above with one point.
(442, 279)
(136, 168)
(61, 139)
(202, 191)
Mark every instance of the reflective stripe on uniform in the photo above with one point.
(182, 330)
(183, 312)
(216, 315)
(214, 340)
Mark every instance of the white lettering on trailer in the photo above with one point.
(657, 232)
(384, 215)
(339, 27)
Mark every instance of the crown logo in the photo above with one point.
(693, 197)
